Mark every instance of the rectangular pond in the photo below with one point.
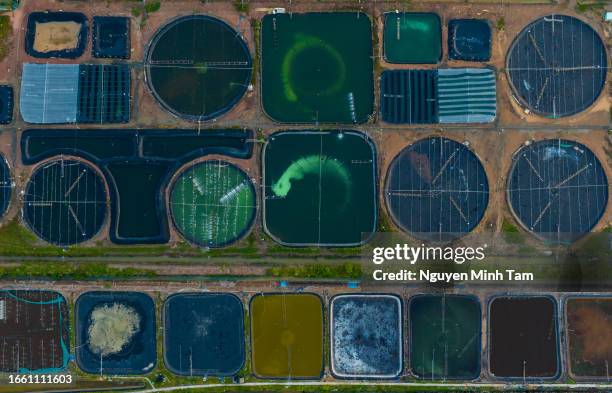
(115, 333)
(523, 337)
(204, 334)
(412, 37)
(366, 336)
(317, 67)
(445, 337)
(320, 187)
(35, 332)
(589, 334)
(287, 336)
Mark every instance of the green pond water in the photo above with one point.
(319, 187)
(213, 203)
(445, 337)
(317, 67)
(412, 37)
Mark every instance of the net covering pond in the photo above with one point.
(34, 333)
(466, 95)
(366, 336)
(409, 96)
(287, 336)
(6, 186)
(320, 187)
(436, 189)
(111, 37)
(557, 66)
(589, 327)
(204, 334)
(445, 337)
(317, 67)
(557, 189)
(65, 202)
(469, 39)
(213, 203)
(115, 333)
(523, 337)
(6, 104)
(56, 34)
(198, 67)
(412, 37)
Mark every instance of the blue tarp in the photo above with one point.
(466, 95)
(49, 93)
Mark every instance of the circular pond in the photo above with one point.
(213, 203)
(6, 185)
(557, 189)
(198, 67)
(557, 66)
(65, 202)
(437, 189)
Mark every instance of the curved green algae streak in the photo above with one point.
(304, 42)
(312, 165)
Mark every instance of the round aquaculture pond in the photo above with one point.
(6, 185)
(469, 39)
(589, 329)
(436, 189)
(366, 336)
(65, 202)
(213, 203)
(320, 188)
(317, 67)
(524, 338)
(557, 189)
(287, 336)
(115, 333)
(557, 66)
(204, 334)
(445, 337)
(198, 67)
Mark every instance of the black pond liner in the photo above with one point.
(436, 189)
(138, 356)
(366, 336)
(204, 334)
(409, 96)
(557, 66)
(557, 189)
(6, 186)
(137, 165)
(524, 337)
(65, 202)
(111, 37)
(6, 104)
(469, 39)
(47, 17)
(193, 78)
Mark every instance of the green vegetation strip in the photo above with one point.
(70, 270)
(5, 34)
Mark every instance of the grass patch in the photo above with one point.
(585, 6)
(241, 6)
(136, 11)
(501, 24)
(64, 270)
(152, 6)
(344, 270)
(6, 31)
(511, 233)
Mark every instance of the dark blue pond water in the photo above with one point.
(204, 334)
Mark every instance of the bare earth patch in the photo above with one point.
(54, 36)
